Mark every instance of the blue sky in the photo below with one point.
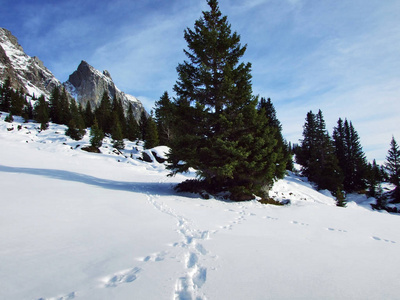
(338, 56)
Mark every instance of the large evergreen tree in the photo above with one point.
(350, 155)
(317, 155)
(218, 130)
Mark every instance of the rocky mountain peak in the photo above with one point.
(28, 73)
(87, 84)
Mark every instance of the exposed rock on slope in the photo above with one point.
(24, 71)
(87, 84)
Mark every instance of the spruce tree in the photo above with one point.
(64, 114)
(103, 113)
(151, 139)
(392, 166)
(142, 126)
(96, 136)
(132, 127)
(164, 114)
(88, 115)
(76, 125)
(118, 115)
(350, 155)
(317, 155)
(217, 128)
(117, 136)
(41, 113)
(55, 108)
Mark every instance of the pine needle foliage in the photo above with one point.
(217, 128)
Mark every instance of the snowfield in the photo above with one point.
(79, 225)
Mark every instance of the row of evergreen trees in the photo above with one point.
(108, 118)
(218, 127)
(338, 163)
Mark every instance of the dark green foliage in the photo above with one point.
(55, 106)
(117, 136)
(151, 134)
(340, 198)
(217, 127)
(9, 118)
(64, 113)
(96, 135)
(88, 115)
(17, 102)
(103, 114)
(76, 125)
(350, 155)
(374, 177)
(164, 117)
(5, 95)
(392, 163)
(27, 112)
(317, 154)
(41, 113)
(118, 115)
(132, 127)
(142, 126)
(392, 166)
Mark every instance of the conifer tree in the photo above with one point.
(64, 115)
(5, 99)
(132, 127)
(373, 178)
(96, 136)
(142, 126)
(217, 128)
(164, 114)
(76, 124)
(55, 109)
(151, 139)
(118, 115)
(88, 115)
(317, 155)
(350, 155)
(117, 136)
(41, 113)
(282, 146)
(104, 113)
(17, 102)
(392, 166)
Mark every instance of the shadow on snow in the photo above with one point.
(164, 189)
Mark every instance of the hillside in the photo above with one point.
(78, 225)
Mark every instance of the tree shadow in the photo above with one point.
(164, 189)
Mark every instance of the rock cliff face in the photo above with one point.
(87, 84)
(24, 71)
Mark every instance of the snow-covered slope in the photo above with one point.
(78, 225)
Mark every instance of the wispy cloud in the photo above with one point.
(338, 56)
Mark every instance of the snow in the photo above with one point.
(79, 225)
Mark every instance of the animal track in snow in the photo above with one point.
(385, 240)
(299, 223)
(125, 276)
(270, 218)
(155, 257)
(338, 230)
(69, 296)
